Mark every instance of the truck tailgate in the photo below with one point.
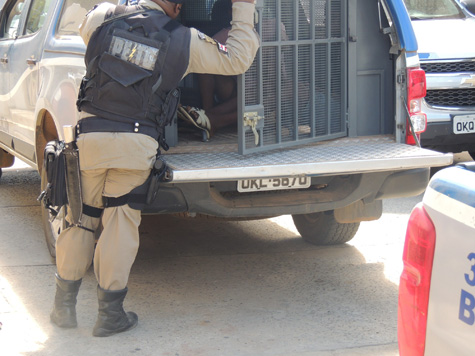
(220, 162)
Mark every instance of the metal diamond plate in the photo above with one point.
(343, 156)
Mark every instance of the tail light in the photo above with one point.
(416, 90)
(415, 283)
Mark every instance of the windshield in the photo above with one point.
(433, 9)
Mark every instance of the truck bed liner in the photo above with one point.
(220, 161)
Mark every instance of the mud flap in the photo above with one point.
(6, 159)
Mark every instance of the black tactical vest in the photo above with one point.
(134, 62)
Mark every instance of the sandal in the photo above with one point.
(197, 118)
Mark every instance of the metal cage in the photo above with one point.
(295, 91)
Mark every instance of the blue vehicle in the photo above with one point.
(328, 115)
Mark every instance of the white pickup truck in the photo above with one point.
(437, 287)
(328, 114)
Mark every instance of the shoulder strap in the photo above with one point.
(120, 11)
(171, 25)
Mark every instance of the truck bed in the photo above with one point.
(218, 160)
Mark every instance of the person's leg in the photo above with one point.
(225, 87)
(216, 88)
(74, 251)
(207, 86)
(75, 246)
(223, 115)
(115, 253)
(226, 107)
(224, 90)
(119, 240)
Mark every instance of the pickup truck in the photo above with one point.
(448, 59)
(328, 114)
(437, 287)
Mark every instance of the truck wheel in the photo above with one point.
(472, 154)
(322, 228)
(52, 227)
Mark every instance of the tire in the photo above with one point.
(52, 227)
(472, 154)
(322, 228)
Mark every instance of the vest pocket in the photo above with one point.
(119, 90)
(122, 71)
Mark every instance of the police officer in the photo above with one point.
(135, 58)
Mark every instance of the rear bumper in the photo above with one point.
(439, 136)
(221, 199)
(342, 172)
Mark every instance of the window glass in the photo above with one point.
(433, 9)
(12, 23)
(36, 16)
(73, 14)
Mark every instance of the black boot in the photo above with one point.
(64, 310)
(112, 318)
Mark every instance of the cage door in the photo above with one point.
(295, 91)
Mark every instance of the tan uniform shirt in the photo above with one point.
(205, 57)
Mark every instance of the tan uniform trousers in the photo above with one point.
(119, 241)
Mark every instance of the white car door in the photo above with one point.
(10, 21)
(24, 76)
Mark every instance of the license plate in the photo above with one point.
(257, 185)
(464, 124)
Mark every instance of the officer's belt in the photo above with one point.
(98, 124)
(91, 211)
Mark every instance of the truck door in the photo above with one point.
(296, 90)
(24, 75)
(10, 20)
(371, 71)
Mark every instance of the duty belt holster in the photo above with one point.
(144, 194)
(54, 194)
(63, 185)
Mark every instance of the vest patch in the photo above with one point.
(134, 52)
